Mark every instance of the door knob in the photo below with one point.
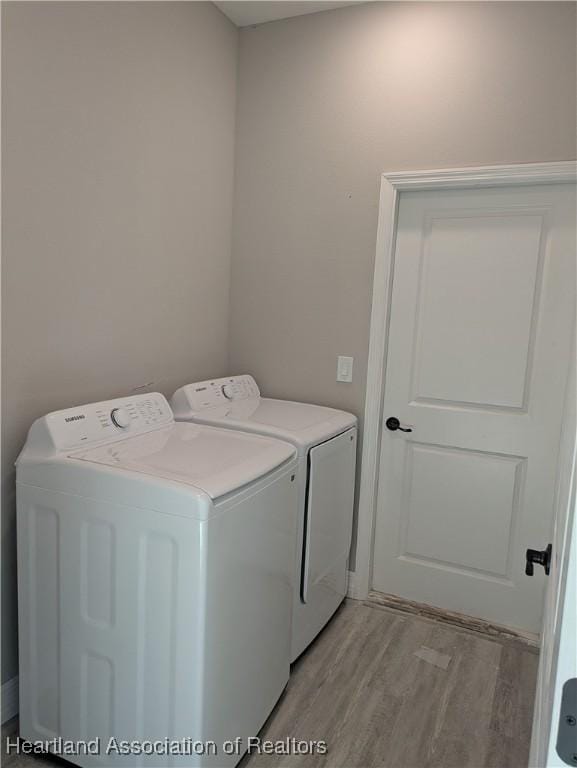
(541, 557)
(393, 424)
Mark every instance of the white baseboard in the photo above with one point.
(350, 583)
(10, 699)
(352, 588)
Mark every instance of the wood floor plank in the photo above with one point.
(510, 728)
(368, 732)
(464, 715)
(411, 742)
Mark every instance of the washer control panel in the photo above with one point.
(209, 394)
(99, 422)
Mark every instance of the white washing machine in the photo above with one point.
(155, 582)
(326, 443)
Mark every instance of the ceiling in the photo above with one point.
(245, 14)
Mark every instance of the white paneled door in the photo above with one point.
(480, 338)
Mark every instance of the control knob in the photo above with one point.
(120, 417)
(228, 391)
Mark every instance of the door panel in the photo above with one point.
(467, 265)
(329, 514)
(460, 507)
(482, 311)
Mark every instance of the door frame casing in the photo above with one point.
(392, 186)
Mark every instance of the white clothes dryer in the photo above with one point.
(155, 582)
(325, 439)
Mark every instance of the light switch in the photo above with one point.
(344, 368)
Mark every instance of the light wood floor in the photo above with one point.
(465, 701)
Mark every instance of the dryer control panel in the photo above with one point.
(210, 394)
(100, 422)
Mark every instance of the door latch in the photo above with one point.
(541, 557)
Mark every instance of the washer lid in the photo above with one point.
(283, 414)
(217, 461)
(301, 424)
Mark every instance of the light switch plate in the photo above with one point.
(344, 368)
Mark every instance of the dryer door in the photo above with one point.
(329, 517)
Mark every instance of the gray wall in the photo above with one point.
(117, 179)
(328, 102)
